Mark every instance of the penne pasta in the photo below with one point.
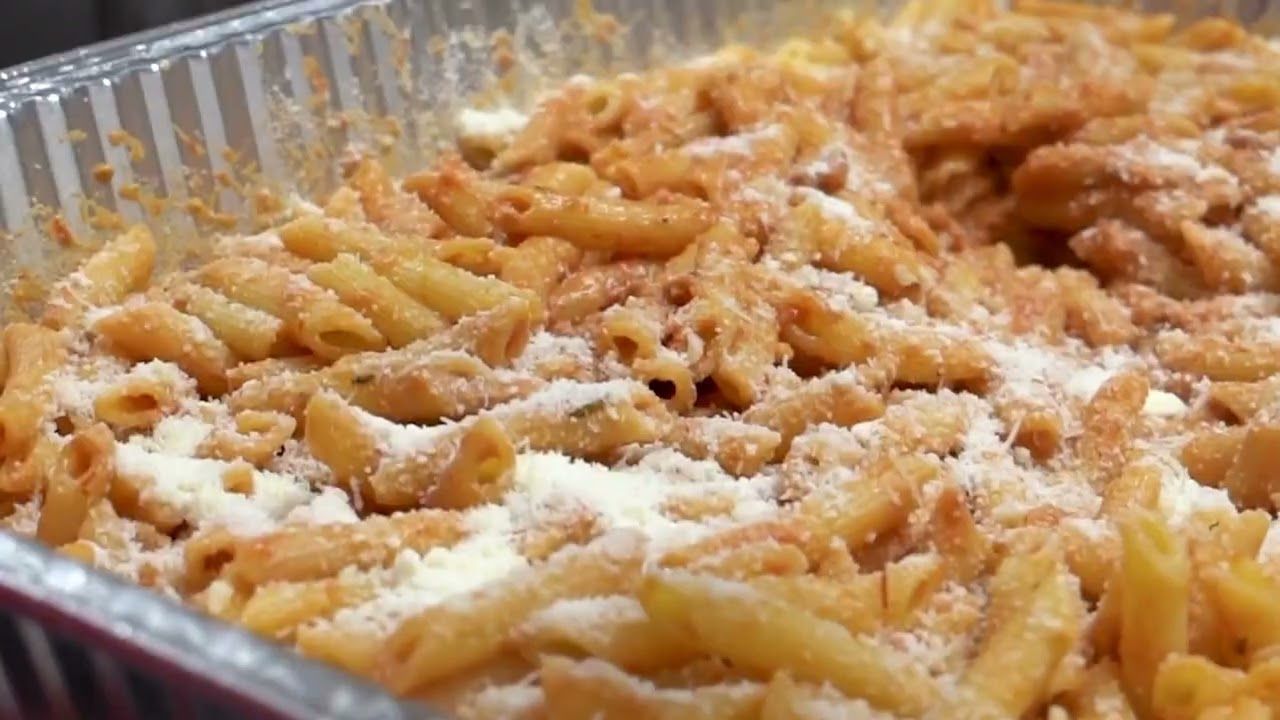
(725, 617)
(121, 266)
(33, 353)
(313, 317)
(476, 631)
(297, 555)
(1154, 595)
(155, 331)
(924, 366)
(625, 226)
(250, 333)
(138, 402)
(577, 690)
(79, 478)
(396, 315)
(1020, 656)
(440, 287)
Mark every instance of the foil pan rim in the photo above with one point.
(170, 639)
(62, 72)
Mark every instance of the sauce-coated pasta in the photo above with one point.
(923, 369)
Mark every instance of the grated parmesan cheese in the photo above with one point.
(859, 176)
(833, 208)
(218, 596)
(1086, 383)
(632, 497)
(500, 123)
(504, 701)
(1096, 530)
(1269, 205)
(1163, 404)
(251, 245)
(93, 315)
(1005, 486)
(841, 291)
(24, 518)
(936, 652)
(622, 499)
(397, 440)
(831, 705)
(545, 347)
(1270, 549)
(565, 396)
(194, 487)
(296, 460)
(330, 507)
(299, 205)
(1181, 497)
(1260, 329)
(640, 687)
(1030, 371)
(588, 617)
(175, 436)
(741, 144)
(416, 581)
(1145, 152)
(75, 387)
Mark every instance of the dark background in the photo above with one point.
(30, 29)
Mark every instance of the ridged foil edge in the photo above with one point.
(158, 635)
(229, 82)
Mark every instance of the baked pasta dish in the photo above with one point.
(927, 368)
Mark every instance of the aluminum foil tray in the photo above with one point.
(77, 643)
(209, 115)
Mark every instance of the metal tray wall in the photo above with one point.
(78, 643)
(243, 83)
